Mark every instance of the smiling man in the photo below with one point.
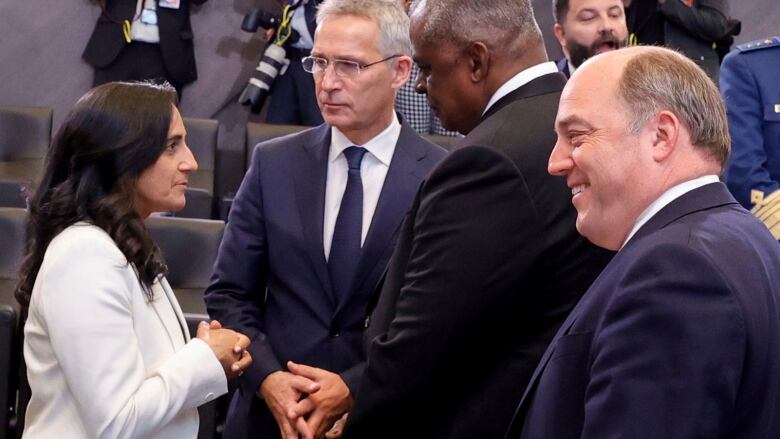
(314, 224)
(587, 27)
(488, 262)
(680, 335)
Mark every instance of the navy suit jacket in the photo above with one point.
(679, 337)
(749, 85)
(271, 278)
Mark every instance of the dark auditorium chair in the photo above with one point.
(25, 133)
(202, 138)
(8, 368)
(189, 246)
(12, 232)
(14, 193)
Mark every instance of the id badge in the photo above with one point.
(170, 4)
(149, 16)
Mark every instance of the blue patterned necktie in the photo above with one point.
(345, 246)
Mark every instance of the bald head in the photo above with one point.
(651, 79)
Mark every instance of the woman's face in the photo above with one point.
(161, 187)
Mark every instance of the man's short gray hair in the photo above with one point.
(659, 79)
(503, 25)
(389, 16)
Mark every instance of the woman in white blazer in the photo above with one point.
(107, 348)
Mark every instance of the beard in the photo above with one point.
(579, 53)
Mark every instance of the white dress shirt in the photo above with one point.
(520, 80)
(667, 197)
(373, 170)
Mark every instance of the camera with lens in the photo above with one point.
(274, 60)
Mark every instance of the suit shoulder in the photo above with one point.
(763, 44)
(84, 239)
(279, 142)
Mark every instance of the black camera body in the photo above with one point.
(274, 60)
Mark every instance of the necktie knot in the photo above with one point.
(354, 155)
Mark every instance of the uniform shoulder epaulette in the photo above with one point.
(759, 44)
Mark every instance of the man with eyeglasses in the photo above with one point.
(313, 226)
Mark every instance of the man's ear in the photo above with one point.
(402, 68)
(560, 35)
(666, 132)
(479, 61)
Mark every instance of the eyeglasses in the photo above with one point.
(343, 68)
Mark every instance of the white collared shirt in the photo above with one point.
(140, 31)
(373, 170)
(298, 24)
(667, 197)
(520, 80)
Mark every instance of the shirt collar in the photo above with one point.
(571, 68)
(667, 197)
(520, 79)
(381, 146)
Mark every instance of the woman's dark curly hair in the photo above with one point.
(111, 136)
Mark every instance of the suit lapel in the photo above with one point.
(705, 197)
(174, 324)
(529, 390)
(401, 183)
(310, 183)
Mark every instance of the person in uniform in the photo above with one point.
(749, 86)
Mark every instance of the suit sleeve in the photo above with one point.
(86, 303)
(475, 234)
(747, 167)
(667, 359)
(236, 294)
(707, 19)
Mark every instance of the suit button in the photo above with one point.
(334, 332)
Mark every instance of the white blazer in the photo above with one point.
(102, 361)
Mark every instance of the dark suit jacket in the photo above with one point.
(690, 30)
(678, 338)
(487, 266)
(271, 278)
(107, 40)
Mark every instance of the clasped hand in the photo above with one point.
(306, 400)
(228, 346)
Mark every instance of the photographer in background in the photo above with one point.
(690, 26)
(292, 96)
(143, 39)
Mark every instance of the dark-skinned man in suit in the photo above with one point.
(488, 262)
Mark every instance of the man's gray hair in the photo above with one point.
(503, 25)
(389, 16)
(659, 79)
